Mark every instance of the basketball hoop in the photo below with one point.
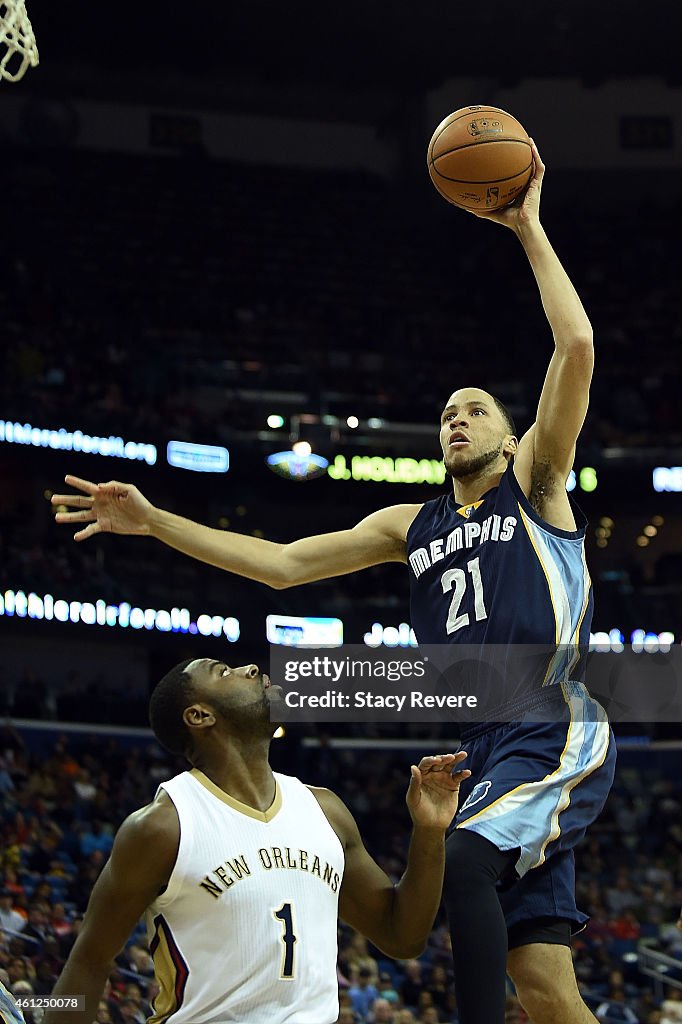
(17, 43)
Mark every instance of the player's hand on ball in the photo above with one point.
(107, 508)
(433, 793)
(526, 210)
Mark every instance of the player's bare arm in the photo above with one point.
(546, 451)
(397, 919)
(121, 508)
(141, 862)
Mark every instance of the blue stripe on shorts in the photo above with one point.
(537, 784)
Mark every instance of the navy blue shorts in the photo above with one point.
(536, 785)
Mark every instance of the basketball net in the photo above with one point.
(17, 43)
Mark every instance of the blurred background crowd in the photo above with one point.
(63, 798)
(219, 230)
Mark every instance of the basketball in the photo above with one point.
(479, 158)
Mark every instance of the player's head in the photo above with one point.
(202, 699)
(476, 430)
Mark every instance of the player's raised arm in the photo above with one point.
(563, 402)
(398, 918)
(140, 865)
(116, 507)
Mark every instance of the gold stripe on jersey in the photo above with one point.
(237, 805)
(170, 972)
(466, 510)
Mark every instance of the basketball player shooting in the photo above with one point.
(517, 574)
(242, 872)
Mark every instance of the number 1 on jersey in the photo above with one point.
(457, 578)
(284, 915)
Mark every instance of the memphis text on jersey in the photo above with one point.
(494, 528)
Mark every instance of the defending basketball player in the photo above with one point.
(241, 872)
(517, 574)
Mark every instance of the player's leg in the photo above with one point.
(546, 985)
(517, 821)
(478, 929)
(473, 866)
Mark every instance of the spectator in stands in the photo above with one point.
(359, 956)
(387, 989)
(424, 1002)
(23, 989)
(381, 1012)
(412, 983)
(20, 969)
(622, 895)
(61, 925)
(47, 972)
(38, 926)
(10, 919)
(128, 1012)
(6, 783)
(363, 993)
(625, 926)
(439, 988)
(671, 1007)
(42, 858)
(84, 787)
(95, 838)
(103, 1013)
(615, 1009)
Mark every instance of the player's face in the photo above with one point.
(472, 432)
(238, 694)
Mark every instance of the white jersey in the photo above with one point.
(246, 929)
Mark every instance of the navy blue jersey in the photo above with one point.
(495, 573)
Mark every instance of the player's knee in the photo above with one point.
(543, 1005)
(546, 1000)
(470, 861)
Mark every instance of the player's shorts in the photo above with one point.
(9, 1011)
(537, 783)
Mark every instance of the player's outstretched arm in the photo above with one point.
(121, 508)
(398, 919)
(141, 862)
(565, 394)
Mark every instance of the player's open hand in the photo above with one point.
(526, 210)
(433, 792)
(106, 508)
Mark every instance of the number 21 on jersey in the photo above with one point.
(456, 580)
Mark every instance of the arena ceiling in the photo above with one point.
(401, 47)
